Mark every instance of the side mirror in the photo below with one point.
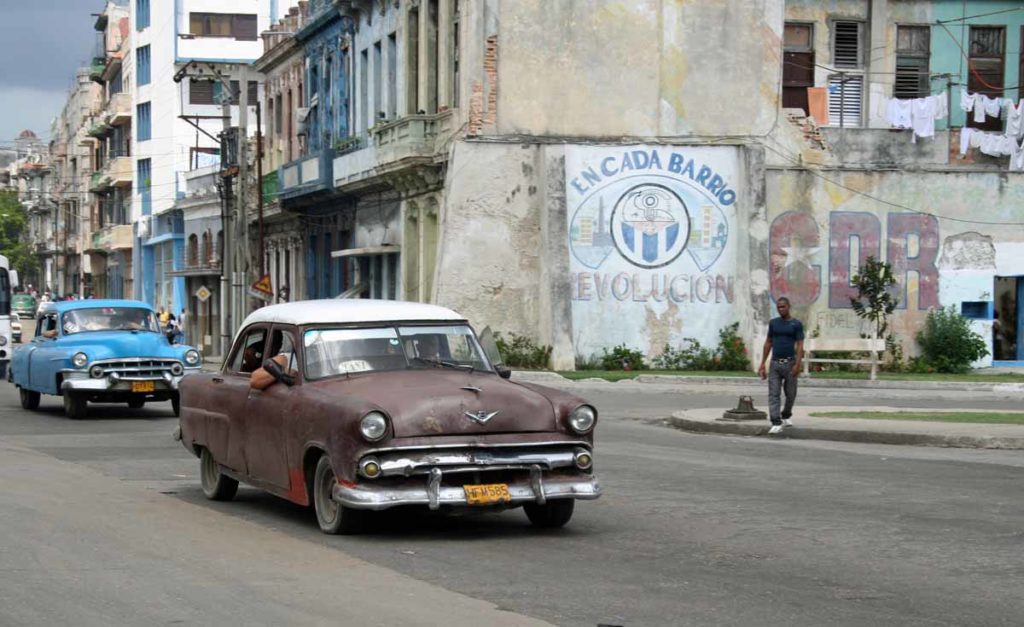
(503, 372)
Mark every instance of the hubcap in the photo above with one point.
(209, 470)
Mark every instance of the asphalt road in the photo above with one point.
(104, 524)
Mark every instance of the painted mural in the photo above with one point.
(651, 257)
(814, 268)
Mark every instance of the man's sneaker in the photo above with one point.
(786, 422)
(775, 429)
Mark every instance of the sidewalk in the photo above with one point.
(906, 432)
(542, 377)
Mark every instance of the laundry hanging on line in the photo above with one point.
(918, 114)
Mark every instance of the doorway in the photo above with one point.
(1008, 323)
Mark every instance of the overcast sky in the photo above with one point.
(42, 42)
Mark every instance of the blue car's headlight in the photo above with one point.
(192, 357)
(80, 360)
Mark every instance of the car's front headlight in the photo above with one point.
(582, 418)
(373, 426)
(80, 360)
(192, 357)
(3, 340)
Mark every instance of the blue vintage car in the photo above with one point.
(107, 351)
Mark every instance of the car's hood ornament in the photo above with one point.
(480, 417)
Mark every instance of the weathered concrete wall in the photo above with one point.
(607, 68)
(820, 230)
(489, 266)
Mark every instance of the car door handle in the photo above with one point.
(217, 380)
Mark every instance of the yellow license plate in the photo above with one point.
(143, 386)
(485, 494)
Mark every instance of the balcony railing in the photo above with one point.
(312, 173)
(414, 139)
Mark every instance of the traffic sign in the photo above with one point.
(263, 286)
(203, 294)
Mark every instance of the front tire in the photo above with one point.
(332, 517)
(75, 406)
(29, 399)
(550, 515)
(136, 403)
(176, 404)
(216, 485)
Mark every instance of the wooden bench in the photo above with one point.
(820, 345)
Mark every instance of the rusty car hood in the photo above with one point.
(448, 402)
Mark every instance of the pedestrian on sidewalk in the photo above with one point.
(785, 342)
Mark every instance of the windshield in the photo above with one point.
(109, 319)
(330, 352)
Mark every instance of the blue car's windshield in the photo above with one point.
(109, 319)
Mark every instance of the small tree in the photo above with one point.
(874, 301)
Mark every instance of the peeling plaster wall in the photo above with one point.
(819, 231)
(608, 68)
(490, 262)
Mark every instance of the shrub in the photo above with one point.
(521, 352)
(947, 342)
(622, 358)
(588, 363)
(692, 356)
(732, 352)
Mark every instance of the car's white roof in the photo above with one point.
(345, 311)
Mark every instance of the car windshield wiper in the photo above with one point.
(444, 363)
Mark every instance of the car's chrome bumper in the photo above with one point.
(539, 488)
(81, 381)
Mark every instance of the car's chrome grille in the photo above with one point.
(475, 460)
(139, 368)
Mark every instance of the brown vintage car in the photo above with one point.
(380, 404)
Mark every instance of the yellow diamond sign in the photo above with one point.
(203, 294)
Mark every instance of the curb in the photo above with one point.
(680, 421)
(539, 376)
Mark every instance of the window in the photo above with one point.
(141, 14)
(278, 102)
(144, 185)
(845, 93)
(392, 82)
(193, 251)
(238, 26)
(987, 66)
(209, 92)
(249, 352)
(142, 65)
(797, 65)
(143, 122)
(455, 53)
(846, 45)
(913, 46)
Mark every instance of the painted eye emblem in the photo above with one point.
(480, 417)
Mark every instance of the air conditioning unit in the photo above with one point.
(301, 115)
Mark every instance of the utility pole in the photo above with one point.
(259, 183)
(209, 72)
(242, 269)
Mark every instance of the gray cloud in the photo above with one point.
(44, 41)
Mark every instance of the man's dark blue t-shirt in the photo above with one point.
(784, 335)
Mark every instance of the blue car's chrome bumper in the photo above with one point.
(80, 381)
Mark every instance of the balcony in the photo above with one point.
(119, 109)
(119, 171)
(305, 176)
(98, 182)
(410, 141)
(96, 68)
(112, 238)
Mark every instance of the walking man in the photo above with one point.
(785, 342)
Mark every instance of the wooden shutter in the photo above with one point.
(845, 96)
(988, 61)
(846, 45)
